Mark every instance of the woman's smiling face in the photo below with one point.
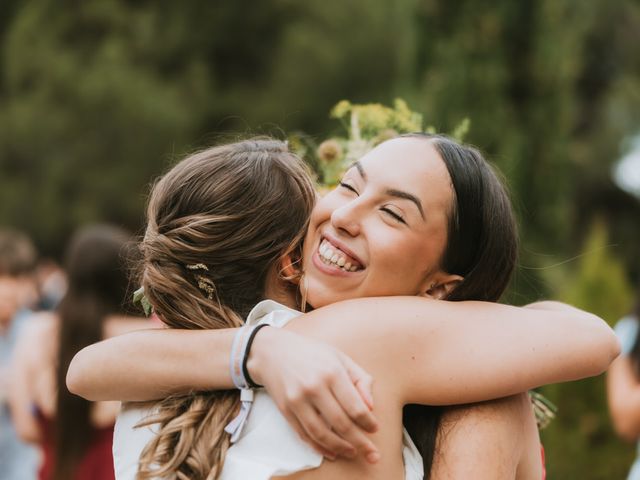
(383, 230)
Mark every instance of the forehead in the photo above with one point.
(412, 165)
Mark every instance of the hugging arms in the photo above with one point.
(439, 352)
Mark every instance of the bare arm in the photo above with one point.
(152, 364)
(465, 351)
(623, 393)
(23, 371)
(155, 363)
(437, 352)
(450, 352)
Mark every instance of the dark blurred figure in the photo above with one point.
(18, 294)
(623, 383)
(75, 435)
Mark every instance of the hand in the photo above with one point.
(324, 395)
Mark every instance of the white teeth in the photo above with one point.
(335, 257)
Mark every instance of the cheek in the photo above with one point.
(320, 214)
(409, 258)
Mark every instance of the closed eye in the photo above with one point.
(394, 215)
(348, 187)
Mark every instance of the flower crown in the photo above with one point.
(366, 126)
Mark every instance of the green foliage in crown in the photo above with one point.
(366, 126)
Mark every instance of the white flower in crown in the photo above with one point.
(357, 147)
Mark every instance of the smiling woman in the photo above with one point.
(419, 215)
(414, 201)
(376, 215)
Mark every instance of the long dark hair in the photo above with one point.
(96, 266)
(482, 247)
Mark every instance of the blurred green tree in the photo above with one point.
(582, 437)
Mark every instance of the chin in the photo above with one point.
(320, 299)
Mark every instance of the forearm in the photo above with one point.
(20, 403)
(151, 364)
(507, 350)
(446, 352)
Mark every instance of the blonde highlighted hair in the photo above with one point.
(218, 223)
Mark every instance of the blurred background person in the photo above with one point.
(623, 383)
(75, 435)
(52, 283)
(18, 294)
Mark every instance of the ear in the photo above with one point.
(288, 270)
(440, 286)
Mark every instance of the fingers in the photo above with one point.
(334, 414)
(297, 426)
(354, 393)
(318, 431)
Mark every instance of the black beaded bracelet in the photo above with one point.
(252, 336)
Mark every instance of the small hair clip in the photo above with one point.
(198, 266)
(204, 283)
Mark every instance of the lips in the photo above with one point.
(330, 253)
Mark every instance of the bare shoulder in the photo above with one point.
(496, 439)
(117, 325)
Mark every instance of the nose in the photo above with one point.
(346, 218)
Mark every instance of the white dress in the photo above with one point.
(267, 447)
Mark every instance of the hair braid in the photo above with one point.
(191, 442)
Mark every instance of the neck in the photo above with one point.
(277, 290)
(282, 295)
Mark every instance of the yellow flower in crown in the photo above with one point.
(404, 120)
(330, 151)
(373, 117)
(341, 109)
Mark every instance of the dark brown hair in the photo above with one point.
(17, 253)
(96, 265)
(218, 224)
(482, 247)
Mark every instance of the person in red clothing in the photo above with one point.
(75, 435)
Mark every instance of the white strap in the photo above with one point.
(235, 426)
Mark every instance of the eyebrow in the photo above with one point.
(360, 169)
(392, 191)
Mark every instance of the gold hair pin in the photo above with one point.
(198, 266)
(205, 284)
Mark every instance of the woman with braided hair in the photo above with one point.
(224, 227)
